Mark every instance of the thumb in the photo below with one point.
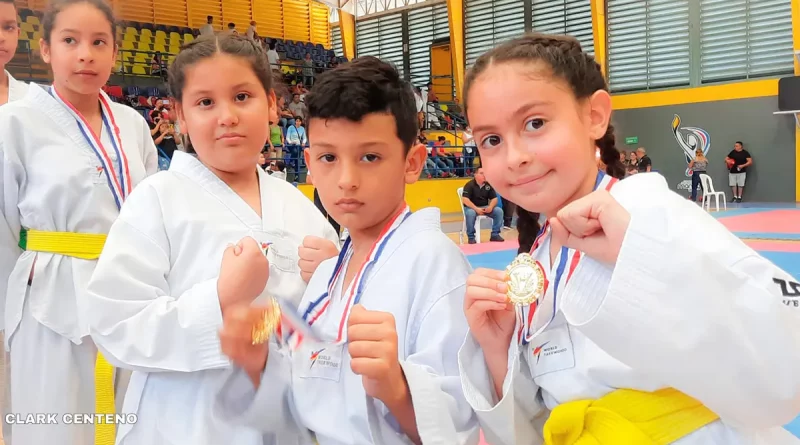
(594, 245)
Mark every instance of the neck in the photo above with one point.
(86, 104)
(237, 181)
(586, 187)
(4, 80)
(363, 239)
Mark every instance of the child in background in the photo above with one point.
(70, 157)
(10, 88)
(166, 279)
(391, 324)
(626, 331)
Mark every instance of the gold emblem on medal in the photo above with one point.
(267, 324)
(525, 279)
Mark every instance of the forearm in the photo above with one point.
(402, 408)
(497, 363)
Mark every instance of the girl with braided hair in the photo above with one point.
(608, 333)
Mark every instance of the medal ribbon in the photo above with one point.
(318, 307)
(526, 320)
(119, 178)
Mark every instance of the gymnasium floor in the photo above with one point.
(771, 229)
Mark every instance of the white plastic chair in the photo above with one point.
(708, 193)
(463, 233)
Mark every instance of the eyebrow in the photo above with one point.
(361, 145)
(520, 110)
(75, 31)
(238, 86)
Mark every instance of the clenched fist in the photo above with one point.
(372, 344)
(243, 274)
(314, 251)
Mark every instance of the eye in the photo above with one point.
(534, 124)
(491, 141)
(69, 40)
(327, 158)
(241, 97)
(204, 102)
(370, 157)
(99, 42)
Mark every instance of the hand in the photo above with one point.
(243, 274)
(490, 315)
(595, 224)
(237, 342)
(312, 253)
(372, 344)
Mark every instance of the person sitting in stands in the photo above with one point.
(479, 198)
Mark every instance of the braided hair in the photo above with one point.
(567, 61)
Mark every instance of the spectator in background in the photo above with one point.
(277, 169)
(285, 115)
(738, 160)
(645, 165)
(251, 31)
(698, 166)
(208, 28)
(272, 56)
(297, 107)
(308, 70)
(232, 28)
(163, 133)
(632, 165)
(470, 149)
(420, 102)
(295, 141)
(275, 141)
(479, 198)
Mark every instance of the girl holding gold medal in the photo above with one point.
(616, 329)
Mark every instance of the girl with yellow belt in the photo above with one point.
(620, 329)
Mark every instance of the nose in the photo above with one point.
(86, 52)
(517, 153)
(348, 178)
(228, 116)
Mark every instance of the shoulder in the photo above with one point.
(126, 114)
(146, 198)
(746, 153)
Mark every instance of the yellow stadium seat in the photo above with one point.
(161, 35)
(188, 38)
(129, 30)
(127, 44)
(34, 44)
(159, 48)
(174, 49)
(32, 19)
(26, 27)
(140, 58)
(146, 33)
(175, 38)
(143, 46)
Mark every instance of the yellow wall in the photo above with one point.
(439, 193)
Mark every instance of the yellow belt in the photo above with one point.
(87, 246)
(626, 416)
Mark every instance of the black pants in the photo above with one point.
(696, 182)
(319, 205)
(509, 208)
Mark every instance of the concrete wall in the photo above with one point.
(769, 139)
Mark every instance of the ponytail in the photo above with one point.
(528, 227)
(609, 153)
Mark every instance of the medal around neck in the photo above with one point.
(267, 324)
(525, 279)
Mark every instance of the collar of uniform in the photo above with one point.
(16, 89)
(429, 218)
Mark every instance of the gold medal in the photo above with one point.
(525, 279)
(267, 324)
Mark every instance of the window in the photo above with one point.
(648, 44)
(742, 39)
(570, 17)
(382, 37)
(336, 41)
(424, 26)
(489, 22)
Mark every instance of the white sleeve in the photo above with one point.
(133, 318)
(518, 416)
(269, 409)
(11, 175)
(694, 307)
(431, 370)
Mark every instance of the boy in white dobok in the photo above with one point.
(385, 370)
(10, 88)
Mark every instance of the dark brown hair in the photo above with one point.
(208, 46)
(567, 61)
(56, 6)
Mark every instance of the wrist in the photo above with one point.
(399, 394)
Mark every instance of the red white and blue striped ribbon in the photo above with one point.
(525, 315)
(118, 176)
(317, 308)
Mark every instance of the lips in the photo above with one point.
(349, 204)
(230, 137)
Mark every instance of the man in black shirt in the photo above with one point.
(645, 164)
(479, 198)
(738, 160)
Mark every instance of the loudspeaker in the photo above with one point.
(789, 93)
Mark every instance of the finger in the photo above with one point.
(484, 294)
(370, 332)
(368, 349)
(359, 315)
(479, 307)
(316, 243)
(311, 254)
(499, 275)
(369, 367)
(490, 283)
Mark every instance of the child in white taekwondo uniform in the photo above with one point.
(621, 329)
(159, 293)
(69, 159)
(10, 90)
(385, 370)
